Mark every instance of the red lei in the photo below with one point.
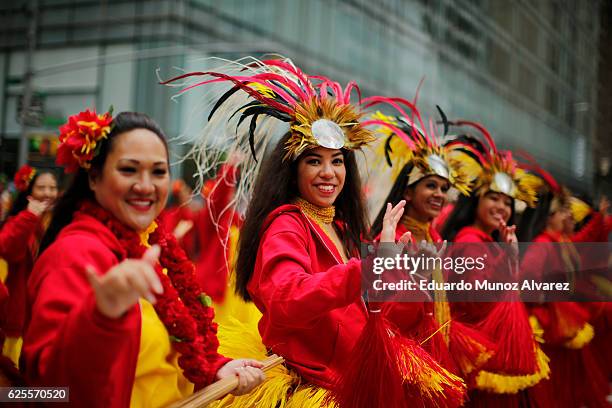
(183, 308)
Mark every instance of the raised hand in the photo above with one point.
(392, 216)
(121, 287)
(508, 236)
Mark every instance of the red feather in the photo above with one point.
(390, 370)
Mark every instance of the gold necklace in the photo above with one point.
(323, 215)
(419, 229)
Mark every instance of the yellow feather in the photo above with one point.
(309, 396)
(579, 209)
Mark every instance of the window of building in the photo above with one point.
(498, 61)
(529, 33)
(553, 56)
(552, 100)
(526, 82)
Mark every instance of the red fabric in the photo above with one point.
(561, 321)
(542, 256)
(68, 342)
(170, 218)
(607, 226)
(18, 238)
(416, 319)
(592, 231)
(211, 266)
(312, 310)
(496, 266)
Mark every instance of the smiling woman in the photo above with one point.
(321, 174)
(117, 315)
(19, 240)
(133, 184)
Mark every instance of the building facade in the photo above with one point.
(527, 70)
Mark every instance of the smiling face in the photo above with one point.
(425, 198)
(45, 188)
(492, 208)
(320, 175)
(134, 182)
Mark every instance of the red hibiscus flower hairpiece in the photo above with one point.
(24, 177)
(80, 139)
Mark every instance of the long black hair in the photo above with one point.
(464, 214)
(276, 185)
(21, 201)
(79, 190)
(533, 220)
(395, 196)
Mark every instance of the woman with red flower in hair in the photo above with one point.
(19, 241)
(116, 314)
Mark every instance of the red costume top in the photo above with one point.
(497, 269)
(419, 319)
(213, 226)
(18, 245)
(310, 300)
(567, 333)
(408, 316)
(68, 342)
(518, 363)
(561, 321)
(593, 231)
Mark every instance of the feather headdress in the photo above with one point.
(251, 104)
(562, 197)
(408, 142)
(501, 172)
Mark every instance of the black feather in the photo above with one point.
(245, 107)
(388, 150)
(222, 99)
(444, 119)
(252, 135)
(263, 110)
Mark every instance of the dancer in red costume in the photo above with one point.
(19, 240)
(477, 223)
(567, 332)
(214, 225)
(298, 250)
(117, 315)
(423, 172)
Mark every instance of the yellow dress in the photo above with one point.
(159, 380)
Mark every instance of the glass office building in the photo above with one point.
(528, 70)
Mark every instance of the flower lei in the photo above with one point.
(183, 308)
(23, 177)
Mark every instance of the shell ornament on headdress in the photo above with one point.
(501, 173)
(250, 104)
(406, 142)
